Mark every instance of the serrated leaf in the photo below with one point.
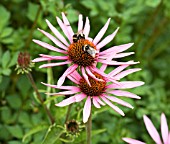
(34, 130)
(5, 59)
(52, 135)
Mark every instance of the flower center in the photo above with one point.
(82, 52)
(97, 87)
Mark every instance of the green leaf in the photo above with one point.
(4, 17)
(14, 142)
(14, 101)
(5, 59)
(153, 3)
(16, 131)
(52, 135)
(5, 114)
(34, 130)
(6, 71)
(6, 32)
(32, 11)
(13, 59)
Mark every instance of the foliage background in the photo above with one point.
(144, 22)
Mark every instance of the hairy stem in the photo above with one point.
(29, 75)
(88, 129)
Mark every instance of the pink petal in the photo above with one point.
(125, 73)
(53, 39)
(68, 27)
(40, 59)
(48, 46)
(101, 32)
(118, 110)
(107, 39)
(66, 102)
(119, 101)
(80, 23)
(54, 57)
(87, 109)
(67, 72)
(99, 101)
(64, 29)
(123, 93)
(80, 97)
(95, 102)
(132, 141)
(57, 33)
(76, 75)
(117, 70)
(73, 79)
(121, 55)
(169, 138)
(86, 29)
(125, 84)
(152, 130)
(164, 129)
(85, 76)
(62, 93)
(117, 63)
(116, 49)
(54, 64)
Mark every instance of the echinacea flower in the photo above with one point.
(98, 91)
(153, 132)
(79, 49)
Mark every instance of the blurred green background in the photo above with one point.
(144, 22)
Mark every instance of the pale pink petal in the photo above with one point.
(132, 141)
(116, 49)
(68, 27)
(117, 63)
(152, 130)
(104, 66)
(80, 23)
(119, 101)
(98, 71)
(125, 84)
(86, 29)
(125, 73)
(107, 39)
(80, 97)
(67, 72)
(87, 109)
(92, 75)
(54, 64)
(57, 33)
(118, 110)
(123, 93)
(85, 76)
(117, 70)
(64, 29)
(95, 102)
(169, 138)
(40, 59)
(164, 129)
(66, 102)
(62, 93)
(48, 46)
(53, 39)
(101, 32)
(76, 75)
(99, 101)
(121, 55)
(73, 79)
(54, 57)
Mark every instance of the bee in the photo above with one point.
(90, 50)
(78, 36)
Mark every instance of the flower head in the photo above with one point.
(153, 132)
(79, 49)
(98, 91)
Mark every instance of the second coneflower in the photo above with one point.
(102, 89)
(81, 50)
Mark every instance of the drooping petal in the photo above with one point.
(152, 130)
(132, 141)
(73, 79)
(48, 46)
(86, 29)
(68, 26)
(118, 110)
(119, 101)
(85, 76)
(117, 70)
(107, 39)
(57, 33)
(101, 32)
(116, 63)
(125, 73)
(99, 101)
(54, 64)
(80, 23)
(87, 109)
(164, 129)
(95, 102)
(76, 75)
(123, 93)
(66, 102)
(67, 72)
(80, 97)
(53, 39)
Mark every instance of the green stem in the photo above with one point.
(88, 129)
(68, 112)
(29, 75)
